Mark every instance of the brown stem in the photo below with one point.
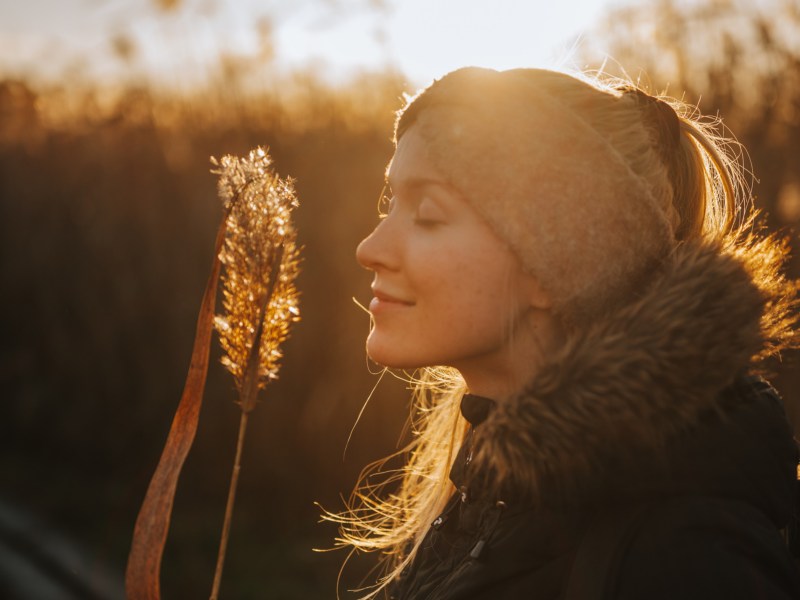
(247, 398)
(223, 544)
(142, 575)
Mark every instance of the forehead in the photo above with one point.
(412, 161)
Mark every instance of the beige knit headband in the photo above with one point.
(548, 183)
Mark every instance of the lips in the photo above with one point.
(384, 297)
(384, 301)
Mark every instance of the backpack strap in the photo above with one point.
(600, 553)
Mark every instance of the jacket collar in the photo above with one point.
(620, 391)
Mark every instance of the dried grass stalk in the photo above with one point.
(261, 262)
(256, 241)
(142, 574)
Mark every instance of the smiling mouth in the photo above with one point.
(384, 297)
(382, 300)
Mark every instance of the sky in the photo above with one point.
(51, 39)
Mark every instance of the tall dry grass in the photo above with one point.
(107, 222)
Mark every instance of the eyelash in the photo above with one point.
(426, 223)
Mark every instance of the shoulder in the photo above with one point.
(703, 548)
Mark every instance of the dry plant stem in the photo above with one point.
(150, 533)
(247, 400)
(226, 527)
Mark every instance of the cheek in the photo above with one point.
(484, 274)
(485, 312)
(476, 289)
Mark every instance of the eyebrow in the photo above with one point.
(421, 182)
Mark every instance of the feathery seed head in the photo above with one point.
(261, 262)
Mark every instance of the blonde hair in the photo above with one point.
(685, 162)
(392, 514)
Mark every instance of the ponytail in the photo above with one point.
(708, 188)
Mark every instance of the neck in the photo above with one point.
(504, 373)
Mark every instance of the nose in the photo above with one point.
(376, 251)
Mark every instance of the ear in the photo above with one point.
(537, 296)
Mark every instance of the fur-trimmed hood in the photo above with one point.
(623, 389)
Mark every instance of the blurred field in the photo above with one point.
(107, 218)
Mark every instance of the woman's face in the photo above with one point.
(447, 291)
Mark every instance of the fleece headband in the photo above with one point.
(548, 183)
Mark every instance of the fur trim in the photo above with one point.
(643, 373)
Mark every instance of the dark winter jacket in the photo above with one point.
(647, 412)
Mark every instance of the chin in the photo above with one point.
(392, 362)
(388, 356)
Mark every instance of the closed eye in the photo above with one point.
(429, 213)
(426, 223)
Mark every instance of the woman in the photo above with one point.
(573, 266)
